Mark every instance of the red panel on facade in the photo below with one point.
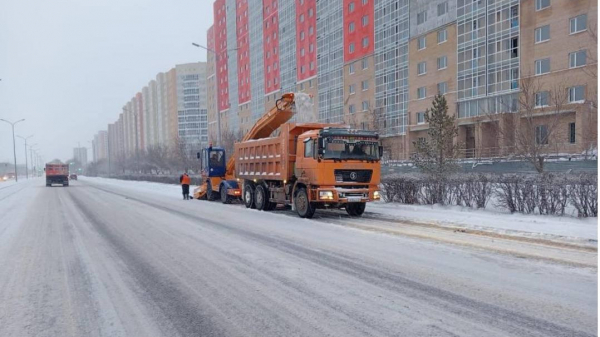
(243, 52)
(358, 29)
(220, 33)
(271, 45)
(306, 39)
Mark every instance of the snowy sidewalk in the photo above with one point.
(569, 228)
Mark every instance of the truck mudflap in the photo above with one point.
(336, 195)
(233, 188)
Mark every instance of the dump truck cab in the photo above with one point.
(341, 166)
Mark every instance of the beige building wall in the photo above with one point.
(561, 76)
(172, 123)
(429, 80)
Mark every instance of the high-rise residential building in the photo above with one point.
(192, 105)
(100, 146)
(80, 155)
(378, 65)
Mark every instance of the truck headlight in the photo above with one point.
(326, 195)
(376, 195)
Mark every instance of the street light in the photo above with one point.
(12, 124)
(26, 163)
(216, 90)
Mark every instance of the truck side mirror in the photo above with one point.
(198, 155)
(44, 169)
(380, 151)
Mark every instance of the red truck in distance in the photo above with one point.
(57, 174)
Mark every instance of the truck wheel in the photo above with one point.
(356, 208)
(303, 205)
(225, 198)
(249, 196)
(261, 198)
(210, 194)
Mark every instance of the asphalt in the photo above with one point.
(99, 260)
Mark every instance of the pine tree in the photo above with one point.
(437, 154)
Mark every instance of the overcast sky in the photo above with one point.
(69, 66)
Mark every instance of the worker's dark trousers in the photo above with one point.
(185, 189)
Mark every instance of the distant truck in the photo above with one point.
(57, 174)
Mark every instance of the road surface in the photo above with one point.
(98, 260)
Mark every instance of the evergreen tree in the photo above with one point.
(437, 154)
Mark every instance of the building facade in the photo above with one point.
(378, 65)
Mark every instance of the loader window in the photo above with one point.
(309, 146)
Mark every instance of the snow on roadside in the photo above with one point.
(552, 227)
(585, 229)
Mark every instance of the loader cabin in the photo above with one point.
(212, 161)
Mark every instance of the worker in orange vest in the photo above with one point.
(185, 180)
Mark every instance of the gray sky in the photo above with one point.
(68, 66)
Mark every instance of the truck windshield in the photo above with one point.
(346, 149)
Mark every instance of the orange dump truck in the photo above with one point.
(310, 166)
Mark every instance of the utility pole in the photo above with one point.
(12, 124)
(26, 163)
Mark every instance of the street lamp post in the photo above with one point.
(26, 163)
(216, 90)
(12, 124)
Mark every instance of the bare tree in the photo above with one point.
(535, 120)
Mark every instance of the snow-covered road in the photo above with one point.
(111, 259)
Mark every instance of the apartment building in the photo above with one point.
(100, 146)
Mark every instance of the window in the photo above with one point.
(578, 23)
(442, 88)
(541, 99)
(364, 2)
(421, 17)
(365, 105)
(351, 27)
(301, 17)
(442, 62)
(541, 134)
(577, 59)
(572, 133)
(542, 34)
(541, 4)
(442, 35)
(308, 148)
(422, 68)
(365, 20)
(351, 108)
(365, 63)
(365, 85)
(310, 12)
(422, 43)
(351, 89)
(542, 66)
(301, 35)
(576, 94)
(421, 92)
(351, 68)
(365, 42)
(351, 48)
(351, 7)
(442, 8)
(420, 117)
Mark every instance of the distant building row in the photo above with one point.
(378, 64)
(170, 111)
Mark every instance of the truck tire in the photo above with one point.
(225, 198)
(302, 204)
(356, 208)
(66, 184)
(261, 198)
(249, 196)
(210, 194)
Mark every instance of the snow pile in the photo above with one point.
(305, 108)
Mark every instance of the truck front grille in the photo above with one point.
(353, 176)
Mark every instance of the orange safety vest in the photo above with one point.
(186, 180)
